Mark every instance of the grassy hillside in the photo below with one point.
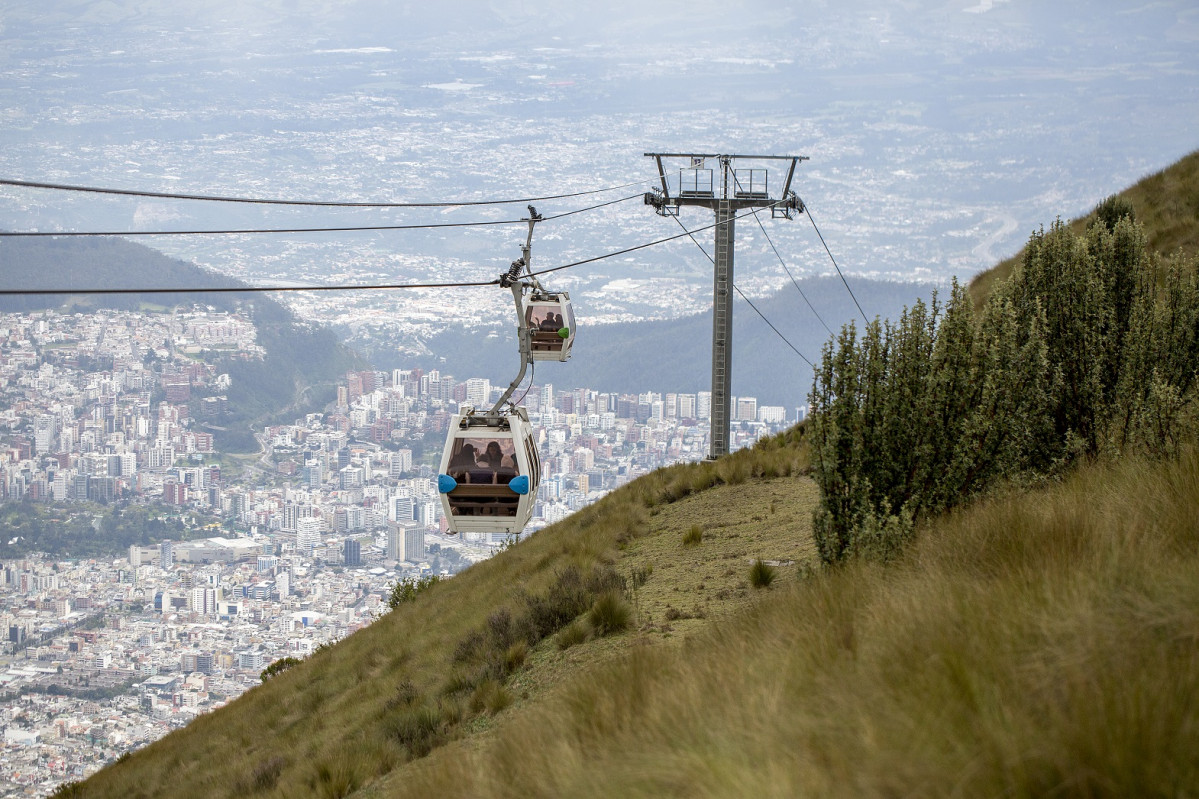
(1166, 203)
(1040, 642)
(1037, 647)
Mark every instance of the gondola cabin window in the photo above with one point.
(483, 460)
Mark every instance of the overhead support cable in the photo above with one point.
(748, 300)
(772, 327)
(834, 260)
(352, 228)
(128, 233)
(794, 282)
(242, 289)
(313, 203)
(783, 263)
(357, 287)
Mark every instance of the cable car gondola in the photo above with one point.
(489, 472)
(551, 323)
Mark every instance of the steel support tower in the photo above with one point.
(726, 193)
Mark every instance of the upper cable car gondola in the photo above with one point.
(551, 323)
(490, 468)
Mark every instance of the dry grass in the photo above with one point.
(1038, 645)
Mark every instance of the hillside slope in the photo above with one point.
(1166, 203)
(302, 363)
(1023, 648)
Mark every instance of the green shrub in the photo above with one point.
(1112, 210)
(278, 667)
(693, 536)
(566, 598)
(408, 590)
(1089, 348)
(472, 648)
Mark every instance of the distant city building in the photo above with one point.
(772, 414)
(352, 553)
(308, 533)
(402, 509)
(405, 542)
(478, 392)
(399, 462)
(45, 430)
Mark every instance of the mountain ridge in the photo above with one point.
(298, 356)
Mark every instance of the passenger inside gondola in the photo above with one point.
(492, 456)
(483, 468)
(545, 326)
(462, 460)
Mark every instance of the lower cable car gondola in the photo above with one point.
(489, 472)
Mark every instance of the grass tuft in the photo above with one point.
(335, 781)
(610, 614)
(573, 634)
(263, 776)
(515, 656)
(418, 729)
(694, 536)
(761, 574)
(491, 697)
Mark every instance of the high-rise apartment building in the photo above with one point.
(478, 391)
(308, 533)
(352, 553)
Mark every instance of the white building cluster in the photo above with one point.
(102, 406)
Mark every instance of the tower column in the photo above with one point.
(722, 330)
